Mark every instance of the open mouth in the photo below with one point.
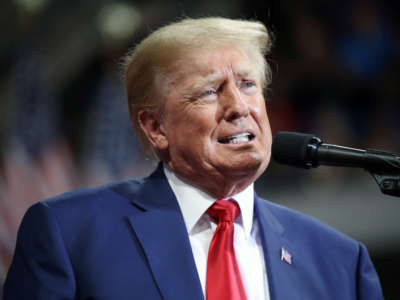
(237, 138)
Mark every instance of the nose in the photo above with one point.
(233, 103)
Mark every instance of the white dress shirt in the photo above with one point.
(247, 243)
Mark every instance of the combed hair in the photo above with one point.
(144, 64)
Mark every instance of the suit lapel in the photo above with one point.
(282, 276)
(160, 228)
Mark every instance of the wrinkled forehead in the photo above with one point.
(213, 63)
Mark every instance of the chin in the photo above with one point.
(247, 165)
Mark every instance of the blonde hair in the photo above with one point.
(145, 63)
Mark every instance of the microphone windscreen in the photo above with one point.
(290, 148)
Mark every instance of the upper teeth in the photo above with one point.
(238, 138)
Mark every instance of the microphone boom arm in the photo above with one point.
(387, 175)
(386, 172)
(388, 184)
(308, 151)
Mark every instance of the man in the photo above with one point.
(194, 229)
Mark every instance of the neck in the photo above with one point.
(217, 186)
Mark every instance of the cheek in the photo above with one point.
(201, 120)
(191, 128)
(261, 118)
(259, 112)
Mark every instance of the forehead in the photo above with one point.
(212, 63)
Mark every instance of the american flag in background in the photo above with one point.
(35, 112)
(37, 162)
(111, 149)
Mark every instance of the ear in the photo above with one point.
(150, 123)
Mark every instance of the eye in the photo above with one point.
(208, 93)
(248, 84)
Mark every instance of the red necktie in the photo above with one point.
(223, 275)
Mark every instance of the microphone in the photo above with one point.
(308, 151)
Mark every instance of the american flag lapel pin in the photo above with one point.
(286, 256)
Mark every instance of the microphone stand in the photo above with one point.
(385, 172)
(389, 184)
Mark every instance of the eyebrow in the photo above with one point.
(246, 73)
(215, 77)
(208, 80)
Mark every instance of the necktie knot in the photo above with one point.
(224, 210)
(223, 274)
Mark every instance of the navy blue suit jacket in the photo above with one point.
(128, 240)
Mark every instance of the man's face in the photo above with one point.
(214, 118)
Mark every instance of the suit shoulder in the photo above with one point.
(320, 253)
(79, 212)
(110, 193)
(297, 224)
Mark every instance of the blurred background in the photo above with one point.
(64, 122)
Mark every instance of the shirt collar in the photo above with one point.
(193, 202)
